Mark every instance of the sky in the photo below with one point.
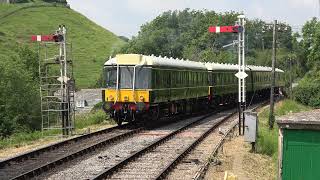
(124, 17)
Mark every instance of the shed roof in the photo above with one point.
(301, 120)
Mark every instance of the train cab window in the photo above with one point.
(110, 77)
(126, 76)
(143, 77)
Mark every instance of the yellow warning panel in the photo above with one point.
(126, 95)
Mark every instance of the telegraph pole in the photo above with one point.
(290, 75)
(274, 44)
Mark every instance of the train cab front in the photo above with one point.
(124, 105)
(127, 86)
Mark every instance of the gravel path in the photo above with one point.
(89, 166)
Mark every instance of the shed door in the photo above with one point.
(301, 154)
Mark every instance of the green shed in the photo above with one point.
(299, 146)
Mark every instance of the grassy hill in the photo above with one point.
(92, 44)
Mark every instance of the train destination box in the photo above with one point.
(299, 146)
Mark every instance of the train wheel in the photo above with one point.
(117, 118)
(154, 113)
(132, 116)
(119, 121)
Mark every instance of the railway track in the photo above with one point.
(156, 159)
(192, 164)
(35, 162)
(90, 166)
(123, 153)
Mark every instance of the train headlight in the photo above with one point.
(111, 98)
(141, 98)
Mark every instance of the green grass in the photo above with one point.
(97, 117)
(92, 44)
(268, 139)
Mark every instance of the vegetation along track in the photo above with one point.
(152, 160)
(35, 162)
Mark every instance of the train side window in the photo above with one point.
(169, 78)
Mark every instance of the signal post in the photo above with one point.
(241, 75)
(57, 85)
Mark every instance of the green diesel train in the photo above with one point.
(138, 85)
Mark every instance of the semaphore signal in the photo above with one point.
(225, 29)
(241, 75)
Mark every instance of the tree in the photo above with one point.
(184, 34)
(308, 90)
(19, 96)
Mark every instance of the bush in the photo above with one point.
(268, 139)
(308, 90)
(19, 95)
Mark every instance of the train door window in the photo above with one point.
(265, 77)
(174, 79)
(169, 78)
(223, 78)
(190, 78)
(185, 79)
(176, 73)
(194, 80)
(216, 77)
(178, 78)
(202, 78)
(197, 78)
(256, 77)
(157, 79)
(153, 78)
(227, 77)
(209, 78)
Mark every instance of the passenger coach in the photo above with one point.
(137, 85)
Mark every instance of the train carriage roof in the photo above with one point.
(137, 59)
